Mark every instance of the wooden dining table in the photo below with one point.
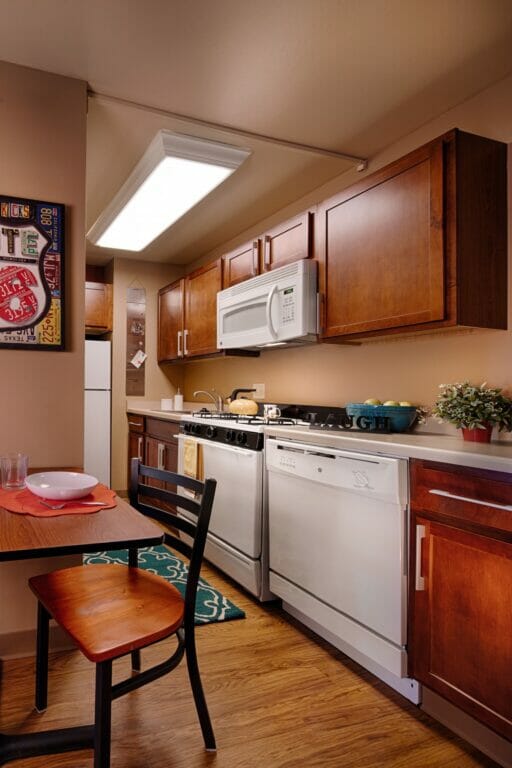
(23, 537)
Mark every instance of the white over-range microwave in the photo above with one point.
(275, 309)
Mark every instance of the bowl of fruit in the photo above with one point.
(401, 414)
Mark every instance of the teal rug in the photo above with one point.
(211, 606)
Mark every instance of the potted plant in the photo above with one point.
(474, 408)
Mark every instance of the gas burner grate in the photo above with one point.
(226, 416)
(240, 418)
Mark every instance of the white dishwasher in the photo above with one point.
(338, 531)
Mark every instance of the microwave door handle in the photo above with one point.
(271, 328)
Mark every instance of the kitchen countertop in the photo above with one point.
(496, 456)
(153, 410)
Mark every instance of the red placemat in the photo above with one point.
(25, 502)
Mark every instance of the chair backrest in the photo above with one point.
(188, 514)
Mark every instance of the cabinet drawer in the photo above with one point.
(135, 422)
(479, 498)
(163, 430)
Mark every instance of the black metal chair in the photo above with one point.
(110, 611)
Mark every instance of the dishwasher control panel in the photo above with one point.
(378, 476)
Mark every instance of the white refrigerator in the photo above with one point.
(97, 409)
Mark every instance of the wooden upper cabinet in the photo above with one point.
(200, 321)
(98, 307)
(170, 321)
(460, 631)
(241, 263)
(419, 244)
(290, 241)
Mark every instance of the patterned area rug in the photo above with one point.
(211, 606)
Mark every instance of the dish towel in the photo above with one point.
(190, 457)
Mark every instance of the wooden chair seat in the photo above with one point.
(110, 610)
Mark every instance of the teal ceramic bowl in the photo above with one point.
(401, 416)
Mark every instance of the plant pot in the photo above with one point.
(478, 435)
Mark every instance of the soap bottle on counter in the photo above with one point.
(178, 401)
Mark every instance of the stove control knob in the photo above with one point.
(187, 428)
(196, 429)
(241, 438)
(230, 436)
(211, 431)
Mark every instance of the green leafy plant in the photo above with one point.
(473, 406)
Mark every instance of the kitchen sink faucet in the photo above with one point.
(213, 395)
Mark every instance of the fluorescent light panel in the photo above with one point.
(175, 173)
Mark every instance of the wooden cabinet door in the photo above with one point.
(290, 241)
(170, 322)
(381, 246)
(201, 288)
(98, 307)
(161, 455)
(461, 644)
(242, 263)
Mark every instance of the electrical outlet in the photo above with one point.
(259, 394)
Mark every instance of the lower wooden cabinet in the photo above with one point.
(161, 449)
(135, 441)
(461, 590)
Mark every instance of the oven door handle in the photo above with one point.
(247, 452)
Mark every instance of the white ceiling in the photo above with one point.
(347, 75)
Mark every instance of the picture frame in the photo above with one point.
(31, 274)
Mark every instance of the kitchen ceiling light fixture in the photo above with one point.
(173, 175)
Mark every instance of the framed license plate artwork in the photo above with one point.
(31, 274)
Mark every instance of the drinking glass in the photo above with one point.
(13, 470)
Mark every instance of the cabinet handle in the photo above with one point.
(180, 351)
(437, 492)
(420, 580)
(134, 424)
(267, 250)
(185, 345)
(255, 257)
(139, 442)
(161, 456)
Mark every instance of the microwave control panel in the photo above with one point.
(288, 305)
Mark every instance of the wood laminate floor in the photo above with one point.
(279, 698)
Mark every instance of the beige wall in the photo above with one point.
(42, 156)
(407, 369)
(42, 151)
(160, 381)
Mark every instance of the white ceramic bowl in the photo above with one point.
(61, 485)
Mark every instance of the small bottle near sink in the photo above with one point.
(178, 401)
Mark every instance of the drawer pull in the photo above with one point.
(161, 456)
(505, 507)
(135, 423)
(420, 580)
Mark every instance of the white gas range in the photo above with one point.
(231, 451)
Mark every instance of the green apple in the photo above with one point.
(372, 401)
(406, 404)
(391, 402)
